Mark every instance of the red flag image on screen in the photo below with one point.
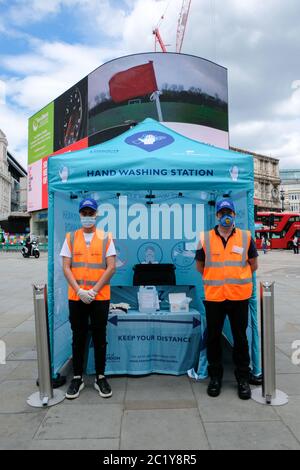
(133, 82)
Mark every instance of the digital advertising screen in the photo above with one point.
(187, 93)
(187, 89)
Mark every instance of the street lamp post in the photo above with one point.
(282, 195)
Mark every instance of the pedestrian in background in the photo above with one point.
(295, 245)
(264, 244)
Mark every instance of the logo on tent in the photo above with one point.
(64, 173)
(150, 141)
(234, 173)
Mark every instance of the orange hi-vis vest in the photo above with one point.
(227, 274)
(88, 263)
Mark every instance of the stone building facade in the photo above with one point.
(267, 190)
(290, 183)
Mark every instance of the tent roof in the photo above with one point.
(150, 156)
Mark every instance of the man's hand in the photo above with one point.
(92, 294)
(253, 264)
(84, 296)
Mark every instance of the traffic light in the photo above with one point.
(271, 220)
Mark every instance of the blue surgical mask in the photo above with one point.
(88, 222)
(227, 220)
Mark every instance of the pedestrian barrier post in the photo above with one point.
(46, 396)
(268, 394)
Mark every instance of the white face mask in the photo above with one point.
(88, 222)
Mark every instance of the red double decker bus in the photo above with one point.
(278, 227)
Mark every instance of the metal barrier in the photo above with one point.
(46, 396)
(5, 248)
(267, 394)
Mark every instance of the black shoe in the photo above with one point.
(75, 388)
(214, 387)
(255, 379)
(103, 387)
(244, 390)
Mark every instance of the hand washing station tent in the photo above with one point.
(147, 166)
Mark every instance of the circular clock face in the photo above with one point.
(72, 117)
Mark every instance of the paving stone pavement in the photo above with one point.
(149, 412)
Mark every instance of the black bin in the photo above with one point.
(154, 275)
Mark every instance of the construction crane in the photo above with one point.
(158, 39)
(182, 21)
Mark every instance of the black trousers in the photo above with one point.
(237, 312)
(82, 318)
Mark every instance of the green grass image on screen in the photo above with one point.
(172, 112)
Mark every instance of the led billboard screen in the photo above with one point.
(191, 90)
(189, 94)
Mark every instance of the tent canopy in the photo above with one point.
(151, 156)
(148, 157)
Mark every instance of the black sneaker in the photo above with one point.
(244, 390)
(103, 387)
(214, 387)
(75, 388)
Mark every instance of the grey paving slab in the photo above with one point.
(283, 325)
(159, 388)
(14, 444)
(13, 396)
(285, 348)
(287, 337)
(19, 340)
(271, 435)
(290, 411)
(290, 415)
(27, 326)
(4, 331)
(163, 429)
(159, 404)
(9, 320)
(6, 369)
(22, 354)
(228, 407)
(78, 421)
(284, 364)
(294, 426)
(26, 370)
(17, 308)
(75, 444)
(20, 426)
(288, 383)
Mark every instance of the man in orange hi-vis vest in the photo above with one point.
(88, 263)
(226, 257)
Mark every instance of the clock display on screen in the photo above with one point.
(72, 117)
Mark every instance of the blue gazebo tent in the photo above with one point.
(152, 163)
